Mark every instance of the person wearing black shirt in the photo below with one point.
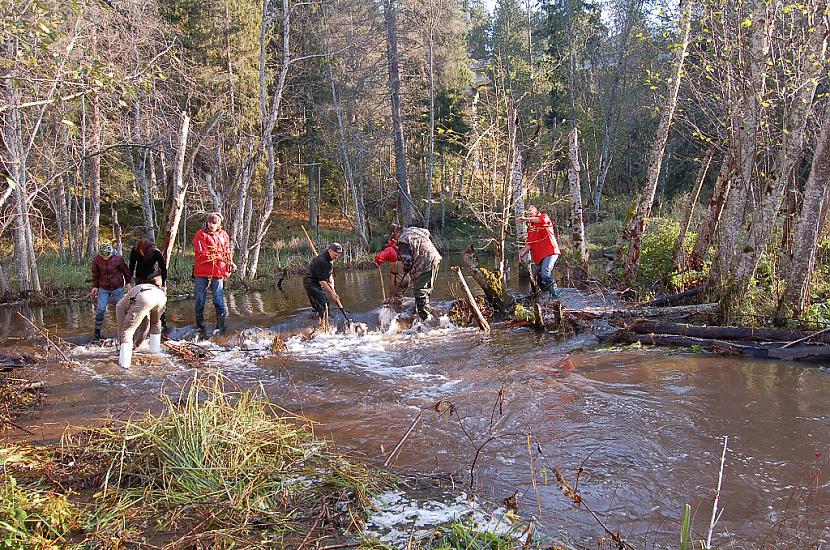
(148, 266)
(319, 279)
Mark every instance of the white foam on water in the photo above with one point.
(399, 517)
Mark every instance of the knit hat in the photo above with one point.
(106, 250)
(215, 217)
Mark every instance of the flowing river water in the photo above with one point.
(645, 427)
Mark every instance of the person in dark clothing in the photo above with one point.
(148, 266)
(109, 276)
(319, 279)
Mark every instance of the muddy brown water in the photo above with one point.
(645, 426)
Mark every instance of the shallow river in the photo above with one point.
(646, 427)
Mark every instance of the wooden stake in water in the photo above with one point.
(382, 286)
(715, 514)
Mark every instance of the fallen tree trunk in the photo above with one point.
(806, 352)
(642, 326)
(672, 299)
(611, 312)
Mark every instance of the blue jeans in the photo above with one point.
(104, 298)
(546, 270)
(217, 288)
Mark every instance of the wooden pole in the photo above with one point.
(382, 285)
(310, 242)
(480, 319)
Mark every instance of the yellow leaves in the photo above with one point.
(746, 23)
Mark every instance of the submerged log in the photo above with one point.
(471, 301)
(496, 295)
(642, 326)
(806, 352)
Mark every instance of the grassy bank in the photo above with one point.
(215, 469)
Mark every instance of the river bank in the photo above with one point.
(644, 427)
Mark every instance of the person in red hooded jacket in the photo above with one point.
(543, 247)
(390, 255)
(213, 263)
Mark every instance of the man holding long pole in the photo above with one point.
(319, 279)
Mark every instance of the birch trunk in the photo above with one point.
(759, 233)
(179, 189)
(404, 194)
(680, 257)
(745, 119)
(579, 242)
(95, 181)
(796, 295)
(635, 224)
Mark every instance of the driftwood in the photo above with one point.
(642, 326)
(494, 292)
(807, 352)
(471, 301)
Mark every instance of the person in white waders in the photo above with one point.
(138, 313)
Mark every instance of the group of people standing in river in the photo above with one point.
(140, 309)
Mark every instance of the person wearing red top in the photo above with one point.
(390, 255)
(213, 263)
(542, 245)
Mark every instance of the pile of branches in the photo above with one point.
(193, 354)
(18, 394)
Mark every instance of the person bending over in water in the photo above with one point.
(138, 313)
(420, 261)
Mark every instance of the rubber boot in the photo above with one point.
(220, 324)
(554, 291)
(200, 324)
(125, 355)
(155, 343)
(97, 335)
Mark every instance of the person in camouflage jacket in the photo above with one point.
(420, 261)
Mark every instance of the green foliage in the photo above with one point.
(817, 314)
(686, 528)
(657, 251)
(31, 518)
(462, 535)
(521, 313)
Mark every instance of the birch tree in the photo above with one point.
(629, 246)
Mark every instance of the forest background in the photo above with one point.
(675, 144)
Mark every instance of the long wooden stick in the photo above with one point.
(805, 338)
(310, 242)
(382, 285)
(480, 319)
(45, 335)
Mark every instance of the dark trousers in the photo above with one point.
(423, 288)
(318, 298)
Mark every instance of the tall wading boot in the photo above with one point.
(97, 335)
(200, 324)
(125, 355)
(220, 324)
(155, 343)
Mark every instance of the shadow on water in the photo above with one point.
(645, 426)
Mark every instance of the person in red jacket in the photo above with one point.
(213, 263)
(390, 255)
(543, 247)
(109, 276)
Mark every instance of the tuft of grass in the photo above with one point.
(463, 535)
(215, 468)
